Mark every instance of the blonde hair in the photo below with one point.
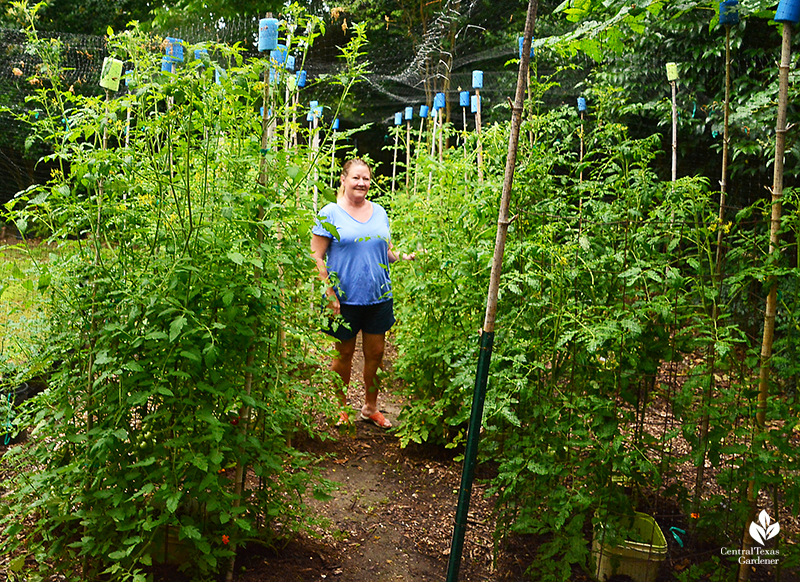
(346, 170)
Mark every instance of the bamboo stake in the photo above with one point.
(674, 86)
(772, 297)
(408, 151)
(244, 411)
(419, 149)
(333, 156)
(394, 160)
(441, 135)
(315, 152)
(478, 130)
(580, 155)
(464, 137)
(723, 183)
(433, 134)
(433, 146)
(699, 485)
(487, 337)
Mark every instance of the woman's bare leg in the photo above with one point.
(373, 345)
(342, 364)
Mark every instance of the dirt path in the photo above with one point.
(392, 516)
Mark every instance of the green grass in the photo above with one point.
(20, 303)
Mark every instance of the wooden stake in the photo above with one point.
(772, 297)
(478, 132)
(487, 337)
(674, 85)
(408, 152)
(419, 149)
(394, 161)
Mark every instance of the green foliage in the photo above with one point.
(180, 340)
(610, 280)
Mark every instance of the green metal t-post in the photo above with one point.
(487, 337)
(470, 455)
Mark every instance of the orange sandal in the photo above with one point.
(377, 419)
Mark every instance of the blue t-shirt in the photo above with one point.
(358, 261)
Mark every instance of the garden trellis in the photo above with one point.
(627, 321)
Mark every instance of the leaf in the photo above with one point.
(133, 367)
(17, 564)
(173, 501)
(331, 229)
(175, 327)
(44, 281)
(236, 257)
(292, 172)
(200, 462)
(119, 554)
(322, 495)
(191, 532)
(190, 355)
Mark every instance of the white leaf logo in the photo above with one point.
(764, 530)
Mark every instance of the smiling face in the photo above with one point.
(355, 181)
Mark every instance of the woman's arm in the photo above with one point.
(319, 246)
(395, 256)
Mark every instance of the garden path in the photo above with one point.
(392, 516)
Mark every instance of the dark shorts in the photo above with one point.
(377, 318)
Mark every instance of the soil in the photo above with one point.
(392, 516)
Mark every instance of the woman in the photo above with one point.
(353, 265)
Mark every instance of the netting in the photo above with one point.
(406, 74)
(417, 62)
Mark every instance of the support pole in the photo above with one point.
(772, 297)
(408, 151)
(244, 410)
(441, 134)
(394, 159)
(580, 155)
(487, 337)
(674, 85)
(315, 152)
(723, 183)
(705, 420)
(479, 146)
(419, 144)
(333, 158)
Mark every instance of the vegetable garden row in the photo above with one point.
(178, 327)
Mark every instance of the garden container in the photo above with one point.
(639, 558)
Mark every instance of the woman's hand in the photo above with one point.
(333, 301)
(395, 255)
